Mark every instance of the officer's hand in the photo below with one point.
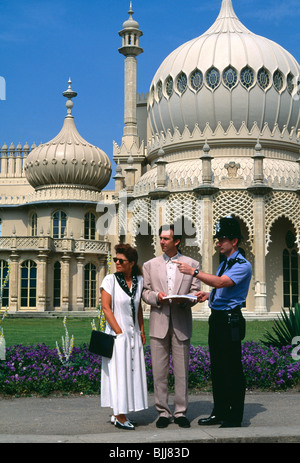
(202, 296)
(184, 268)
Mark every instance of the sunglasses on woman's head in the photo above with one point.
(115, 259)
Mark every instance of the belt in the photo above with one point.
(236, 309)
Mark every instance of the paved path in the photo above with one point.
(268, 417)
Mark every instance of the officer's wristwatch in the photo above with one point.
(196, 272)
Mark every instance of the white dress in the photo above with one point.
(123, 377)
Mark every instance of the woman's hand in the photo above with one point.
(143, 338)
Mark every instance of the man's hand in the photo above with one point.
(202, 296)
(160, 296)
(184, 268)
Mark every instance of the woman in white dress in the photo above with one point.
(123, 377)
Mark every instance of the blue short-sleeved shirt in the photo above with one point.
(233, 296)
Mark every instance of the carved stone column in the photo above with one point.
(41, 282)
(13, 282)
(206, 192)
(259, 189)
(80, 282)
(207, 243)
(130, 171)
(65, 282)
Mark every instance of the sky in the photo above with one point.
(43, 43)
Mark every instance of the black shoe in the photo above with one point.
(212, 419)
(230, 424)
(182, 422)
(127, 425)
(113, 420)
(162, 422)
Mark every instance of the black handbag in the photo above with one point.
(102, 343)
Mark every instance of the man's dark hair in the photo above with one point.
(176, 236)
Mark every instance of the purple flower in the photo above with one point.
(37, 369)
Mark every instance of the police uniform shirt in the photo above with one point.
(233, 296)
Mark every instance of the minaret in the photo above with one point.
(130, 49)
(131, 144)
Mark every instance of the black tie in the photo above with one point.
(213, 293)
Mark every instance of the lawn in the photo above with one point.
(32, 365)
(31, 331)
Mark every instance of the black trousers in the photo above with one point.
(228, 380)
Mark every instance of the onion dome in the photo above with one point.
(130, 23)
(227, 75)
(68, 159)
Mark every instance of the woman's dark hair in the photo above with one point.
(131, 254)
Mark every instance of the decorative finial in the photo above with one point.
(258, 145)
(130, 12)
(69, 94)
(206, 147)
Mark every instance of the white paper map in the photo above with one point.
(187, 297)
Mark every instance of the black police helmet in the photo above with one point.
(228, 227)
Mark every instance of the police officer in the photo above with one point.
(226, 324)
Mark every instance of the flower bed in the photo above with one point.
(38, 369)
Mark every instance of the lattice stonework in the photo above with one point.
(185, 205)
(168, 210)
(238, 204)
(141, 213)
(282, 204)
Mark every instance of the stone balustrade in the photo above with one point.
(49, 244)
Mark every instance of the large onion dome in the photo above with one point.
(227, 74)
(68, 159)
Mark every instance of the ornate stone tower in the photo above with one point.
(130, 155)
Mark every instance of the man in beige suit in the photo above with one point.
(170, 326)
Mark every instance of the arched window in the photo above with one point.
(247, 77)
(169, 86)
(4, 282)
(59, 223)
(33, 224)
(89, 226)
(196, 80)
(263, 78)
(230, 77)
(278, 80)
(90, 286)
(290, 272)
(290, 278)
(28, 283)
(56, 284)
(181, 82)
(213, 78)
(159, 90)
